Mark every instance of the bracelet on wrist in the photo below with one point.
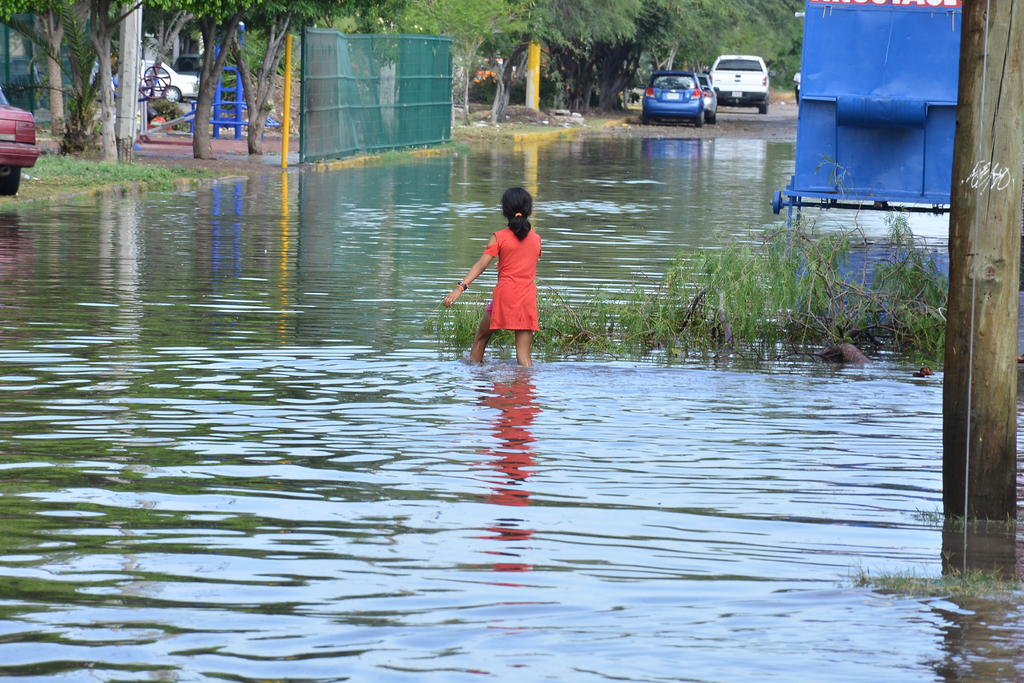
(463, 285)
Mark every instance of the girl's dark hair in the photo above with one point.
(517, 200)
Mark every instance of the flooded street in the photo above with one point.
(230, 451)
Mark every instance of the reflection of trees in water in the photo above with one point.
(515, 402)
(980, 636)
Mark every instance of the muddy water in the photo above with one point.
(229, 450)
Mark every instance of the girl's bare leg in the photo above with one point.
(483, 335)
(524, 338)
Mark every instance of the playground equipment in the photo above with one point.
(227, 113)
(877, 106)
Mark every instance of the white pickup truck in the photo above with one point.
(741, 81)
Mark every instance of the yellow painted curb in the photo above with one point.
(369, 158)
(563, 133)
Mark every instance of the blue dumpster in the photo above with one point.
(877, 105)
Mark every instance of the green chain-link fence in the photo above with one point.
(19, 76)
(367, 93)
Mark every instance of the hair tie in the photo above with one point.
(518, 215)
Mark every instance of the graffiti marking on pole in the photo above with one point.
(987, 175)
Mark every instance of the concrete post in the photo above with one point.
(128, 75)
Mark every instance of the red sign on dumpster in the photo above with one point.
(924, 4)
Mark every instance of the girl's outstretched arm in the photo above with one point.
(474, 272)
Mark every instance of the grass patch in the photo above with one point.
(930, 517)
(56, 175)
(973, 584)
(784, 292)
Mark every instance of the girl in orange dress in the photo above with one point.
(514, 305)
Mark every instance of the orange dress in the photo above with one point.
(515, 296)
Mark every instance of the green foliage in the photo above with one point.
(584, 22)
(785, 291)
(771, 30)
(466, 22)
(9, 8)
(83, 93)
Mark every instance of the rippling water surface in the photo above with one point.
(230, 452)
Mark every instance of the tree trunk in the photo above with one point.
(666, 63)
(258, 95)
(101, 29)
(108, 146)
(512, 66)
(619, 64)
(979, 388)
(583, 104)
(467, 76)
(167, 34)
(577, 75)
(53, 29)
(213, 65)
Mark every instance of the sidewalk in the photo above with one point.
(179, 146)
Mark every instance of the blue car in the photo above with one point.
(673, 96)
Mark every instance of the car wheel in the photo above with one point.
(710, 117)
(699, 121)
(645, 120)
(172, 94)
(762, 108)
(10, 179)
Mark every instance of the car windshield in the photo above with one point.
(185, 64)
(673, 83)
(739, 65)
(703, 80)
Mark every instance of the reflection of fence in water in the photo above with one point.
(373, 93)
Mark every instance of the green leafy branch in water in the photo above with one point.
(781, 294)
(838, 176)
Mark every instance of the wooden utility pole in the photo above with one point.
(979, 436)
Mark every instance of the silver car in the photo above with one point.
(710, 98)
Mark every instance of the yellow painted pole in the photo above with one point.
(286, 124)
(533, 77)
(531, 154)
(282, 285)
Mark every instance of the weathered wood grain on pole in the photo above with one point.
(980, 385)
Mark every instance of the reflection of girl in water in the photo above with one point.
(514, 306)
(515, 401)
(515, 458)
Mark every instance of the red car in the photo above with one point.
(17, 145)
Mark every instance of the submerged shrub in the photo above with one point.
(769, 298)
